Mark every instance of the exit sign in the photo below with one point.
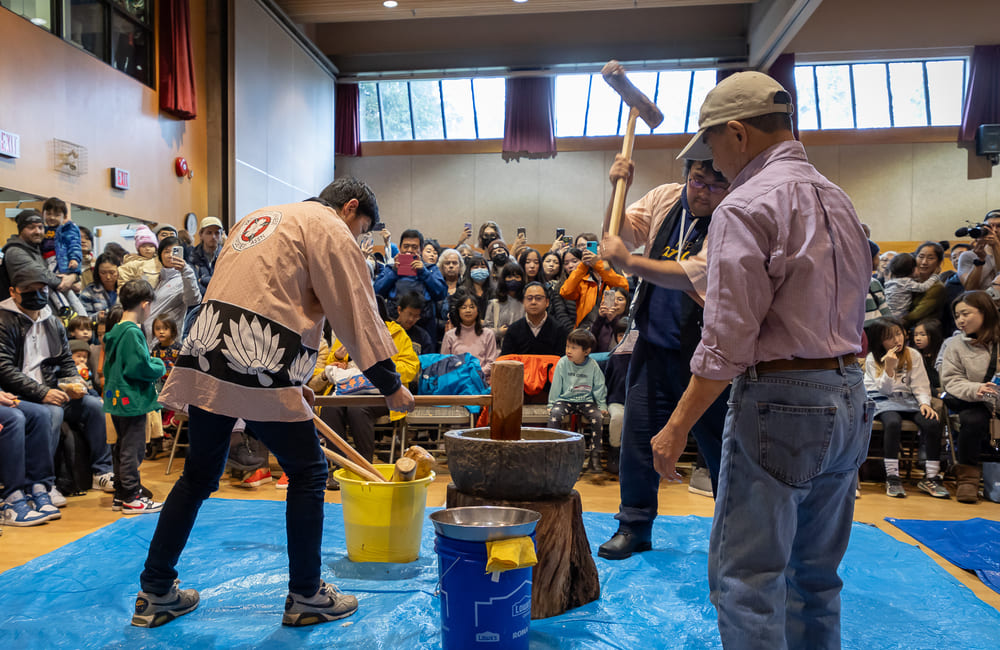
(119, 178)
(10, 144)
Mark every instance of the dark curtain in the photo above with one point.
(529, 127)
(982, 100)
(347, 131)
(783, 71)
(177, 90)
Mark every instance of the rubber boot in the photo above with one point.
(968, 483)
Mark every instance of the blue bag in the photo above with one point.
(451, 374)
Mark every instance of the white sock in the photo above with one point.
(931, 468)
(891, 466)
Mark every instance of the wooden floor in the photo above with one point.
(88, 513)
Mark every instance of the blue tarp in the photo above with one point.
(973, 544)
(81, 595)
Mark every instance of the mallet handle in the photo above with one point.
(348, 450)
(618, 207)
(357, 469)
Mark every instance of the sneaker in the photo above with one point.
(282, 483)
(701, 482)
(139, 506)
(104, 482)
(43, 503)
(116, 505)
(934, 487)
(17, 511)
(58, 500)
(259, 477)
(152, 610)
(894, 487)
(328, 604)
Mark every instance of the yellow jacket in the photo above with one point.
(406, 360)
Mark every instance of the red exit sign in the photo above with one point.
(120, 178)
(10, 144)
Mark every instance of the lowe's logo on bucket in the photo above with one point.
(487, 637)
(521, 607)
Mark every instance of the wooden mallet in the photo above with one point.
(639, 106)
(352, 455)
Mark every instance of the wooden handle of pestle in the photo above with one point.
(618, 206)
(357, 469)
(406, 470)
(348, 450)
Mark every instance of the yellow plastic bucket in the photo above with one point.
(383, 522)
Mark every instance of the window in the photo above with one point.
(118, 32)
(881, 95)
(444, 109)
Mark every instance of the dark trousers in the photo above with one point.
(589, 411)
(657, 378)
(892, 424)
(25, 452)
(975, 427)
(127, 455)
(360, 419)
(87, 416)
(297, 449)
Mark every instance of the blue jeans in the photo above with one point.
(657, 377)
(26, 457)
(792, 447)
(87, 416)
(297, 448)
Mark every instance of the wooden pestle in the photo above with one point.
(507, 388)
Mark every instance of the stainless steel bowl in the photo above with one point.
(484, 523)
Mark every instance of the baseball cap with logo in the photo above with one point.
(737, 97)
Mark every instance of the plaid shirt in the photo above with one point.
(95, 299)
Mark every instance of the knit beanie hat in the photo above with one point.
(76, 345)
(27, 217)
(143, 236)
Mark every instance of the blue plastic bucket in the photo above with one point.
(479, 609)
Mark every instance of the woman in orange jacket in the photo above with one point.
(587, 282)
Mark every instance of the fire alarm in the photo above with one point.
(181, 167)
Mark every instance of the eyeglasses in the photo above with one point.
(713, 188)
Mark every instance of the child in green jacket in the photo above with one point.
(130, 376)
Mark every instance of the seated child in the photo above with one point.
(130, 375)
(901, 286)
(81, 358)
(578, 387)
(896, 380)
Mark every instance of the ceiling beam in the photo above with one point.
(773, 25)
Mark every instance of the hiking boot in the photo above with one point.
(623, 544)
(58, 500)
(43, 503)
(701, 482)
(139, 506)
(104, 482)
(258, 477)
(327, 604)
(16, 510)
(152, 610)
(934, 487)
(244, 456)
(894, 487)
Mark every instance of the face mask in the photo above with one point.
(488, 239)
(513, 286)
(479, 275)
(500, 258)
(35, 300)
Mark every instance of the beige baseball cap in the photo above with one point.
(207, 222)
(737, 97)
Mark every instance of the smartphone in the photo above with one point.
(522, 232)
(177, 252)
(566, 239)
(404, 263)
(592, 247)
(468, 226)
(561, 233)
(609, 299)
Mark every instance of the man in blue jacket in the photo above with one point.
(394, 282)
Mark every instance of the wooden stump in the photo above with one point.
(565, 577)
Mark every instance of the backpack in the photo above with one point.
(72, 462)
(451, 374)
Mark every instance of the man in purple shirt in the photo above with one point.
(788, 271)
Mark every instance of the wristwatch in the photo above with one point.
(978, 262)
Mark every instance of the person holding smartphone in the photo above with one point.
(586, 284)
(409, 274)
(177, 290)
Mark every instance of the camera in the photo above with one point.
(975, 230)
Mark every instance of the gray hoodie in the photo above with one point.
(963, 367)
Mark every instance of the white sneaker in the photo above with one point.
(104, 482)
(58, 500)
(141, 506)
